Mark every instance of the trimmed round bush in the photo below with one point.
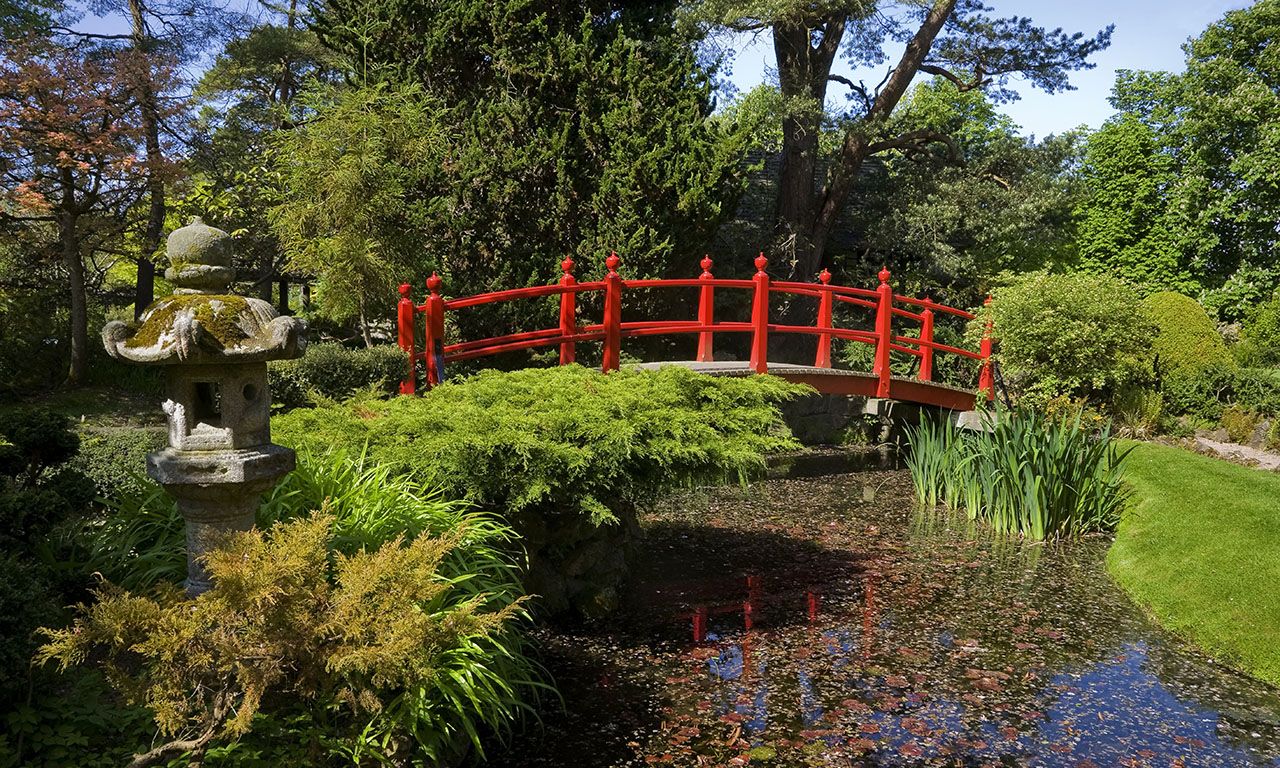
(1188, 342)
(1196, 371)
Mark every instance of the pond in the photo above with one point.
(818, 621)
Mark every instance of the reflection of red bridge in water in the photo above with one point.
(882, 301)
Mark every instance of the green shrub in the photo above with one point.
(1273, 436)
(1138, 409)
(27, 601)
(1077, 336)
(333, 372)
(562, 441)
(1240, 423)
(1187, 343)
(385, 645)
(140, 545)
(565, 455)
(1029, 474)
(1259, 344)
(114, 457)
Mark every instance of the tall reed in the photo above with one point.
(1028, 473)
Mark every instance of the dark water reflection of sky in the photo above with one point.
(882, 638)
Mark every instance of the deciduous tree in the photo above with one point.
(72, 155)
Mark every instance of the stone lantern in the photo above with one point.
(215, 346)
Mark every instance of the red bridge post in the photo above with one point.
(568, 311)
(823, 359)
(433, 345)
(706, 312)
(986, 381)
(760, 318)
(884, 333)
(612, 315)
(926, 341)
(404, 327)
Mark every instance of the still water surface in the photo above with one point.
(818, 621)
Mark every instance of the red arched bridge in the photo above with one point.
(888, 308)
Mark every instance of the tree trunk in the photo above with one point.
(364, 328)
(79, 299)
(145, 287)
(803, 71)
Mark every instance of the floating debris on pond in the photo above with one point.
(809, 623)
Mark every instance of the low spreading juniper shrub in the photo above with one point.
(563, 441)
(565, 455)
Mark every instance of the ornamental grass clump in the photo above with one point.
(1029, 474)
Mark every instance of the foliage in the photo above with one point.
(565, 455)
(1187, 343)
(1259, 344)
(72, 146)
(1125, 229)
(1216, 125)
(574, 130)
(36, 490)
(562, 441)
(377, 630)
(956, 221)
(113, 457)
(1199, 548)
(1195, 370)
(1025, 473)
(334, 372)
(140, 545)
(27, 602)
(1074, 335)
(349, 177)
(1240, 423)
(954, 39)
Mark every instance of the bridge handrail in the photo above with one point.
(612, 329)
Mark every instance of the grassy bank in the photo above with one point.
(1200, 547)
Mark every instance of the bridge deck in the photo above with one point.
(835, 381)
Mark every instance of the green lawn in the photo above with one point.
(1200, 547)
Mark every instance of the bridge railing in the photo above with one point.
(882, 301)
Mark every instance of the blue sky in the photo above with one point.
(1148, 35)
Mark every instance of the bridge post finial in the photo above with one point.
(706, 312)
(611, 355)
(404, 337)
(568, 311)
(824, 276)
(433, 284)
(884, 275)
(760, 318)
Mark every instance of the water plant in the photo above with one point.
(1025, 473)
